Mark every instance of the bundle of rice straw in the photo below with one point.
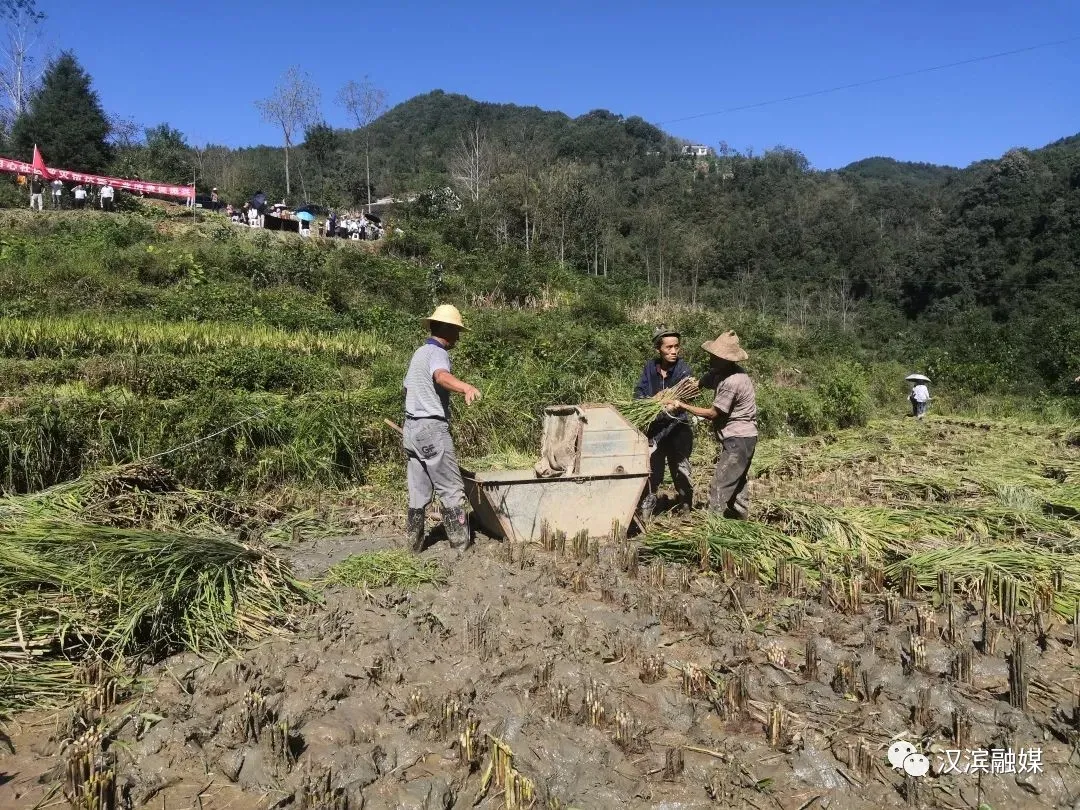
(642, 412)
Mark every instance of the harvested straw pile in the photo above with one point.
(71, 592)
(758, 545)
(378, 569)
(642, 412)
(1032, 569)
(1028, 548)
(960, 500)
(148, 496)
(501, 460)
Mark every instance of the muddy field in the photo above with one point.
(601, 682)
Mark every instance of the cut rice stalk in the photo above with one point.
(641, 413)
(378, 569)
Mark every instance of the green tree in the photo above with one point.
(321, 144)
(168, 156)
(65, 119)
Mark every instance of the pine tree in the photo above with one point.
(65, 120)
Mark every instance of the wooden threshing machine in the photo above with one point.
(593, 470)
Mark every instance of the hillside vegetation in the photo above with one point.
(126, 336)
(973, 269)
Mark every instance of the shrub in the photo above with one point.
(789, 411)
(844, 394)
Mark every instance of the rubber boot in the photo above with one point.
(648, 506)
(414, 529)
(456, 523)
(686, 502)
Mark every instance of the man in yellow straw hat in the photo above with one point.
(432, 463)
(734, 422)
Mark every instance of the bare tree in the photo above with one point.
(697, 249)
(13, 8)
(364, 102)
(845, 302)
(471, 163)
(124, 133)
(292, 106)
(744, 287)
(558, 186)
(21, 63)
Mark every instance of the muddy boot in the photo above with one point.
(686, 503)
(648, 506)
(456, 523)
(414, 529)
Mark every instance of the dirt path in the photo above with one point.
(561, 661)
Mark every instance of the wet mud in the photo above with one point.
(612, 682)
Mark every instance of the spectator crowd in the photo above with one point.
(81, 195)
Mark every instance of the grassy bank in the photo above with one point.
(128, 336)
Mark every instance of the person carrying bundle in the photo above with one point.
(671, 438)
(733, 413)
(432, 466)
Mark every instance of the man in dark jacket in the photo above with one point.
(671, 438)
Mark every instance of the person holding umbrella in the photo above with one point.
(920, 394)
(305, 218)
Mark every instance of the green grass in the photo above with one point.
(380, 569)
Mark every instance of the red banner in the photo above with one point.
(164, 189)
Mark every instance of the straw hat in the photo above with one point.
(726, 347)
(446, 313)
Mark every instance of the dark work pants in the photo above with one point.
(673, 453)
(729, 492)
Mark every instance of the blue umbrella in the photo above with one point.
(305, 216)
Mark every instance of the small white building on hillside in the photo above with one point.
(696, 150)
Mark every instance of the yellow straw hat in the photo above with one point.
(726, 347)
(448, 314)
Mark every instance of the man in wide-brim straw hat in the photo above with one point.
(733, 414)
(432, 467)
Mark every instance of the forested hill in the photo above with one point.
(976, 264)
(980, 262)
(886, 169)
(422, 137)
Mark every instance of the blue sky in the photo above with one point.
(200, 65)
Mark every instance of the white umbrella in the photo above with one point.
(917, 378)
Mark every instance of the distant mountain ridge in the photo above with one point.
(422, 132)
